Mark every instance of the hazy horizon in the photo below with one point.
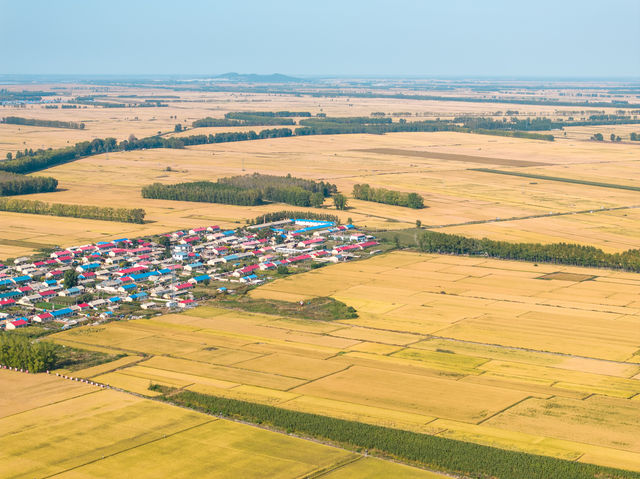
(457, 39)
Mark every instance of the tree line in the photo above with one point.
(17, 120)
(15, 184)
(257, 180)
(24, 95)
(290, 214)
(515, 134)
(558, 253)
(19, 352)
(389, 197)
(246, 190)
(525, 124)
(333, 126)
(634, 136)
(465, 99)
(435, 452)
(124, 215)
(278, 114)
(244, 120)
(251, 118)
(43, 159)
(352, 120)
(203, 192)
(91, 100)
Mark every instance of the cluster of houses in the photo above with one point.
(117, 278)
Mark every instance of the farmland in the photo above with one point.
(461, 351)
(533, 345)
(436, 165)
(61, 428)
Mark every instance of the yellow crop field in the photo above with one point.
(436, 165)
(22, 392)
(538, 358)
(420, 394)
(370, 468)
(74, 430)
(470, 348)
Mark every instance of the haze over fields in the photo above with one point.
(331, 240)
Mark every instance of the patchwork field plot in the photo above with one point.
(51, 427)
(470, 348)
(435, 165)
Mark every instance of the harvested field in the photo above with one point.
(454, 194)
(575, 277)
(78, 431)
(432, 332)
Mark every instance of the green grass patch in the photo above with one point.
(73, 359)
(402, 238)
(323, 308)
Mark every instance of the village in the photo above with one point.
(133, 278)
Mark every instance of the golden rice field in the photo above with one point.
(455, 194)
(543, 359)
(52, 427)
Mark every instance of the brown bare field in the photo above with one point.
(568, 276)
(452, 157)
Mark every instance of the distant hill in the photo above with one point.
(255, 78)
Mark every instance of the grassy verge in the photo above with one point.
(438, 453)
(401, 238)
(73, 359)
(323, 308)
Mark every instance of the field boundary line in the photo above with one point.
(319, 378)
(530, 217)
(505, 409)
(217, 365)
(52, 403)
(560, 179)
(529, 350)
(118, 368)
(328, 469)
(130, 448)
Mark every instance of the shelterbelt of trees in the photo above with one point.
(539, 124)
(246, 190)
(17, 120)
(435, 452)
(19, 352)
(15, 184)
(559, 253)
(31, 161)
(389, 197)
(24, 95)
(123, 215)
(289, 214)
(37, 160)
(512, 101)
(252, 118)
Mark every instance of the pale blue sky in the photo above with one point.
(494, 38)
